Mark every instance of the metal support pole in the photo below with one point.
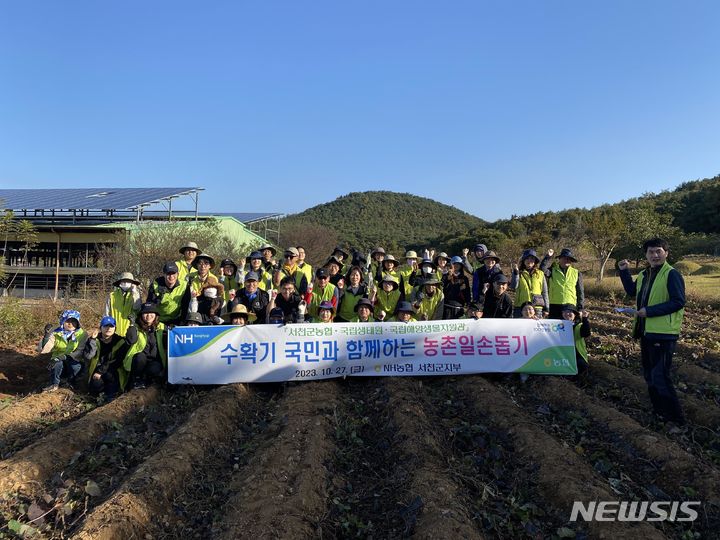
(57, 267)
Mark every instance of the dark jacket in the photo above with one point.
(497, 307)
(258, 304)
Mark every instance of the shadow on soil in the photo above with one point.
(21, 373)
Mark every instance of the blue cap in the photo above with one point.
(108, 321)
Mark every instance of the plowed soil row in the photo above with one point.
(28, 468)
(637, 463)
(33, 416)
(561, 477)
(444, 513)
(145, 496)
(498, 486)
(369, 492)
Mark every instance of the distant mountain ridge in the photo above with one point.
(386, 218)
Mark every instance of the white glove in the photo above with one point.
(302, 307)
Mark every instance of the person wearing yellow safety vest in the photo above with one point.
(255, 264)
(388, 266)
(581, 330)
(660, 307)
(529, 284)
(171, 294)
(321, 291)
(203, 263)
(185, 265)
(565, 282)
(65, 345)
(229, 279)
(105, 351)
(407, 272)
(387, 297)
(305, 267)
(350, 295)
(479, 251)
(442, 266)
(290, 269)
(146, 359)
(428, 300)
(123, 302)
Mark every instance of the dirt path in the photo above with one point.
(443, 514)
(282, 492)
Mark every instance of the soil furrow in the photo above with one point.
(282, 492)
(27, 469)
(443, 514)
(697, 410)
(369, 491)
(677, 467)
(148, 493)
(562, 477)
(33, 416)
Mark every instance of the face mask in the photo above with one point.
(210, 293)
(125, 286)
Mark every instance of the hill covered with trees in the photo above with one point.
(393, 220)
(687, 216)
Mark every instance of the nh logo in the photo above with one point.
(183, 338)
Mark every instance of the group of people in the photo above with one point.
(128, 349)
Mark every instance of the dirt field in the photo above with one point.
(443, 457)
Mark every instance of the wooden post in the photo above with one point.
(57, 268)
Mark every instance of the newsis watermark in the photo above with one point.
(635, 511)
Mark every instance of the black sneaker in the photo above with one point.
(139, 385)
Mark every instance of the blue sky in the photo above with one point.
(497, 108)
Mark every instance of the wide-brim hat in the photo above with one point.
(441, 255)
(270, 247)
(326, 305)
(333, 260)
(490, 255)
(205, 256)
(229, 262)
(404, 306)
(390, 258)
(364, 302)
(377, 250)
(239, 310)
(530, 253)
(566, 252)
(390, 279)
(189, 245)
(430, 281)
(411, 254)
(193, 316)
(453, 304)
(571, 307)
(126, 276)
(345, 254)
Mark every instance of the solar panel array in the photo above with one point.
(87, 198)
(249, 217)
